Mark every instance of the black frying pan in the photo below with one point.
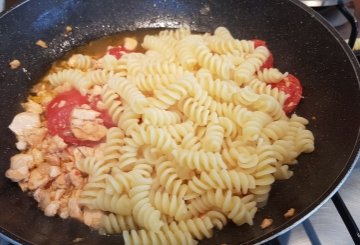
(301, 41)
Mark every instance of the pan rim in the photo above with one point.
(353, 157)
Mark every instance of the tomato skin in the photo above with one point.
(258, 42)
(269, 63)
(291, 86)
(58, 114)
(117, 51)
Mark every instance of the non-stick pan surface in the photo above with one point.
(300, 40)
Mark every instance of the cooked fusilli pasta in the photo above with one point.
(195, 134)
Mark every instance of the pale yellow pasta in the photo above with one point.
(230, 46)
(197, 139)
(99, 77)
(243, 73)
(117, 204)
(129, 92)
(263, 88)
(156, 238)
(118, 181)
(144, 212)
(79, 61)
(170, 180)
(72, 77)
(117, 223)
(169, 204)
(93, 167)
(160, 117)
(222, 179)
(219, 67)
(164, 45)
(270, 75)
(185, 51)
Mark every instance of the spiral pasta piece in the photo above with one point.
(219, 90)
(239, 210)
(93, 187)
(245, 70)
(262, 88)
(199, 160)
(118, 182)
(185, 52)
(270, 75)
(113, 104)
(214, 137)
(159, 118)
(162, 45)
(113, 223)
(114, 140)
(180, 130)
(170, 180)
(168, 96)
(178, 33)
(156, 238)
(93, 167)
(80, 61)
(168, 204)
(223, 33)
(155, 137)
(217, 218)
(222, 179)
(99, 77)
(129, 92)
(275, 130)
(214, 63)
(196, 112)
(269, 105)
(128, 120)
(144, 213)
(304, 141)
(230, 46)
(149, 83)
(118, 204)
(74, 77)
(164, 67)
(199, 228)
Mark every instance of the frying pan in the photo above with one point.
(301, 41)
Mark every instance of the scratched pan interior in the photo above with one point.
(301, 42)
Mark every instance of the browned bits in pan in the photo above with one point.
(14, 64)
(68, 29)
(266, 223)
(79, 239)
(289, 213)
(41, 43)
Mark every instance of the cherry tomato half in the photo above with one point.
(291, 86)
(58, 114)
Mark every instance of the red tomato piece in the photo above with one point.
(258, 42)
(117, 51)
(58, 114)
(291, 86)
(269, 63)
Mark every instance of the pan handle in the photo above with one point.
(346, 217)
(352, 20)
